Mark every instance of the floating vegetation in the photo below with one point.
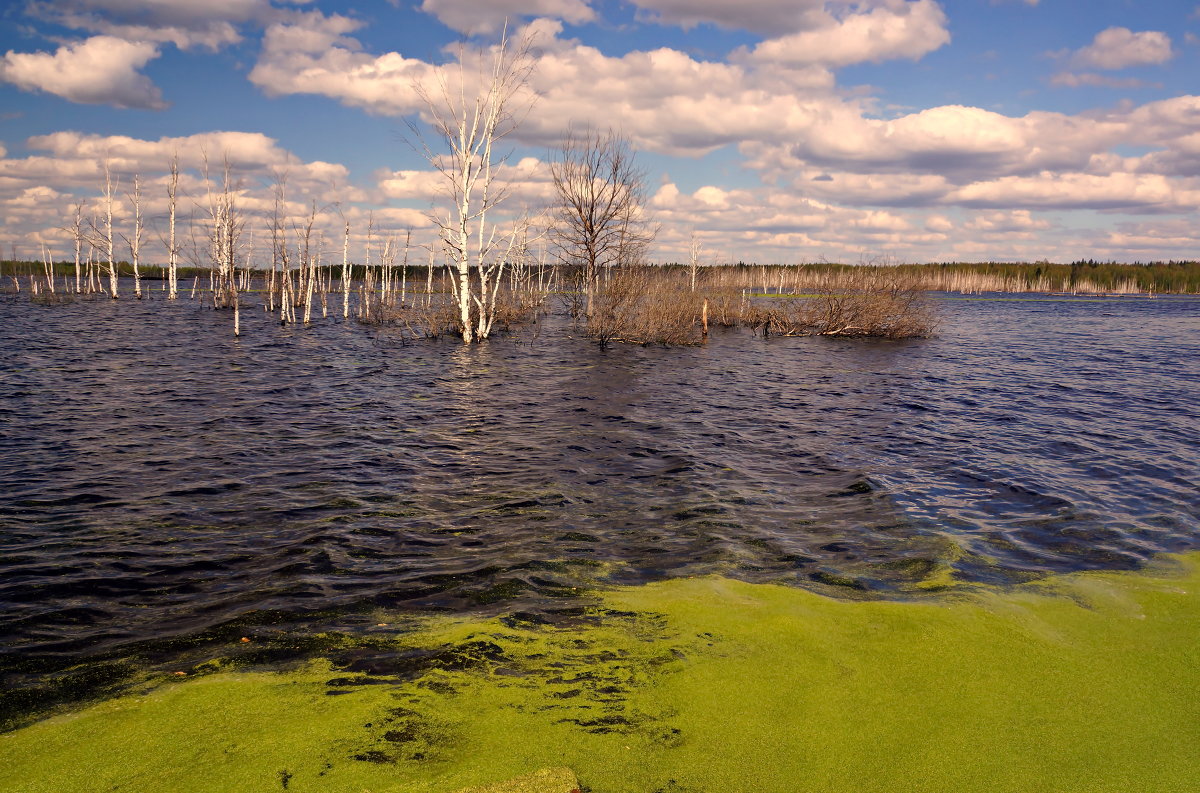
(1081, 682)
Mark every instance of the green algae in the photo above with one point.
(546, 780)
(1085, 682)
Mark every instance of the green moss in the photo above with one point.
(1078, 683)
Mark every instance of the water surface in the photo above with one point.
(164, 481)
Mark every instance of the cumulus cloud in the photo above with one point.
(664, 99)
(939, 224)
(72, 161)
(185, 23)
(245, 151)
(953, 143)
(1127, 191)
(38, 191)
(488, 16)
(905, 30)
(1020, 220)
(100, 70)
(312, 53)
(527, 183)
(1119, 48)
(790, 123)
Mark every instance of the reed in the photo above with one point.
(1081, 277)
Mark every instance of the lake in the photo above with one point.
(169, 488)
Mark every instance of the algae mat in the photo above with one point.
(1087, 682)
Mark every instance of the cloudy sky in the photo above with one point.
(775, 130)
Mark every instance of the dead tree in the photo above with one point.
(134, 241)
(471, 124)
(103, 236)
(694, 248)
(172, 245)
(600, 216)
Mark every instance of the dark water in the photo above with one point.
(162, 481)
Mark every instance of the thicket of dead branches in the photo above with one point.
(638, 305)
(877, 302)
(654, 305)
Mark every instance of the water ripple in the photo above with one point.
(163, 479)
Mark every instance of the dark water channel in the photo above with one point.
(162, 481)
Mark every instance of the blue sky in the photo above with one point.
(772, 130)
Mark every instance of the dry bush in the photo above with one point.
(870, 301)
(439, 316)
(517, 308)
(420, 319)
(726, 306)
(639, 305)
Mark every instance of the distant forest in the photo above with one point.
(1084, 276)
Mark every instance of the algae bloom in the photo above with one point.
(1085, 682)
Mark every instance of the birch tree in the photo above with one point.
(346, 269)
(471, 122)
(172, 246)
(103, 236)
(694, 248)
(79, 237)
(134, 240)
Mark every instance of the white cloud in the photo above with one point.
(185, 23)
(953, 143)
(312, 54)
(527, 183)
(905, 30)
(37, 192)
(488, 16)
(1118, 48)
(938, 223)
(1128, 191)
(245, 151)
(790, 123)
(1005, 222)
(100, 70)
(73, 161)
(664, 99)
(874, 189)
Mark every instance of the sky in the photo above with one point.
(769, 130)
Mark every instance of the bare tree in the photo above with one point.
(308, 259)
(103, 237)
(226, 224)
(600, 218)
(280, 254)
(345, 269)
(134, 241)
(172, 246)
(694, 248)
(79, 236)
(471, 123)
(48, 265)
